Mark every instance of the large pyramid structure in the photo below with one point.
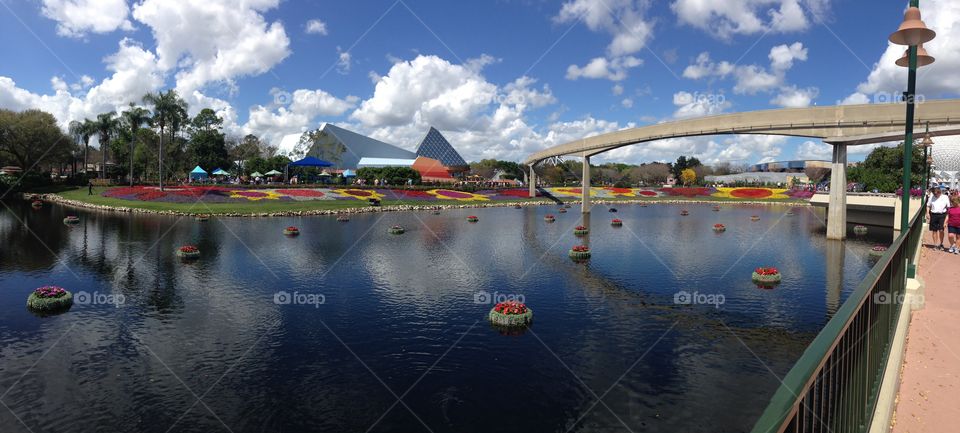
(435, 145)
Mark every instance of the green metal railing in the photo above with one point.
(833, 387)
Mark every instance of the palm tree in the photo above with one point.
(107, 124)
(82, 131)
(168, 109)
(135, 118)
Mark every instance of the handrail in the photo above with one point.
(835, 382)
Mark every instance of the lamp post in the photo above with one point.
(927, 145)
(913, 33)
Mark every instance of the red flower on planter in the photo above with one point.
(766, 271)
(510, 307)
(292, 229)
(580, 249)
(719, 226)
(579, 228)
(617, 220)
(188, 249)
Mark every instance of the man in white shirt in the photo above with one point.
(937, 206)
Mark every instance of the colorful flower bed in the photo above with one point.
(71, 220)
(719, 228)
(50, 299)
(581, 230)
(397, 230)
(188, 252)
(766, 275)
(472, 219)
(219, 194)
(616, 222)
(579, 252)
(291, 231)
(510, 313)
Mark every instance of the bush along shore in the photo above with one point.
(364, 208)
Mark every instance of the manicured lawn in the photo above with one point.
(270, 206)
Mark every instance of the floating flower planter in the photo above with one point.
(566, 206)
(719, 228)
(203, 218)
(790, 213)
(684, 212)
(755, 218)
(397, 230)
(510, 313)
(516, 206)
(562, 210)
(472, 219)
(71, 220)
(766, 275)
(878, 251)
(716, 208)
(643, 205)
(343, 218)
(291, 231)
(549, 218)
(581, 231)
(613, 209)
(37, 204)
(616, 222)
(188, 252)
(579, 252)
(50, 299)
(860, 230)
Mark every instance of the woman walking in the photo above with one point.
(953, 223)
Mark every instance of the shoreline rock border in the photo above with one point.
(55, 198)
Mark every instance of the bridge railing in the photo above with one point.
(834, 385)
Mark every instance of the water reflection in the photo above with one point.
(401, 311)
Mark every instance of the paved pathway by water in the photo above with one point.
(929, 400)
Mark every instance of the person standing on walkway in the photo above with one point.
(953, 223)
(937, 207)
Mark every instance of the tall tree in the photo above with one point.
(168, 109)
(107, 125)
(82, 131)
(30, 136)
(134, 118)
(246, 149)
(207, 145)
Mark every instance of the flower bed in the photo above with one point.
(562, 210)
(50, 299)
(472, 219)
(291, 231)
(755, 218)
(203, 218)
(860, 230)
(397, 230)
(878, 251)
(719, 228)
(766, 275)
(684, 212)
(188, 252)
(688, 192)
(71, 219)
(549, 218)
(581, 230)
(616, 222)
(579, 252)
(510, 313)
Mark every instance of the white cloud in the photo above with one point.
(627, 103)
(617, 90)
(293, 113)
(344, 62)
(783, 56)
(792, 97)
(726, 19)
(75, 18)
(213, 41)
(812, 150)
(624, 20)
(691, 105)
(603, 68)
(316, 27)
(887, 80)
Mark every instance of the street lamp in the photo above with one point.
(927, 145)
(912, 33)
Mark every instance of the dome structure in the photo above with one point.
(946, 160)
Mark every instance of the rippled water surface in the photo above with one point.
(401, 342)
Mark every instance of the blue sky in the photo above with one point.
(500, 79)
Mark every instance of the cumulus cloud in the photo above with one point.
(691, 105)
(603, 68)
(294, 112)
(316, 27)
(726, 19)
(76, 18)
(213, 41)
(793, 97)
(813, 150)
(887, 80)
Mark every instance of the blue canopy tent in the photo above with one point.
(220, 172)
(306, 162)
(198, 174)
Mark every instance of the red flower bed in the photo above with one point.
(687, 192)
(510, 307)
(414, 194)
(197, 191)
(619, 190)
(580, 249)
(751, 193)
(647, 193)
(127, 190)
(514, 193)
(766, 271)
(151, 195)
(301, 192)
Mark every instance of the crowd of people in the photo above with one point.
(943, 209)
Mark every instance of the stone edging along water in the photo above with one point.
(54, 198)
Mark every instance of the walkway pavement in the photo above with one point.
(929, 399)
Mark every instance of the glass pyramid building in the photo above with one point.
(435, 146)
(345, 148)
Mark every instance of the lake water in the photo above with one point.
(239, 341)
